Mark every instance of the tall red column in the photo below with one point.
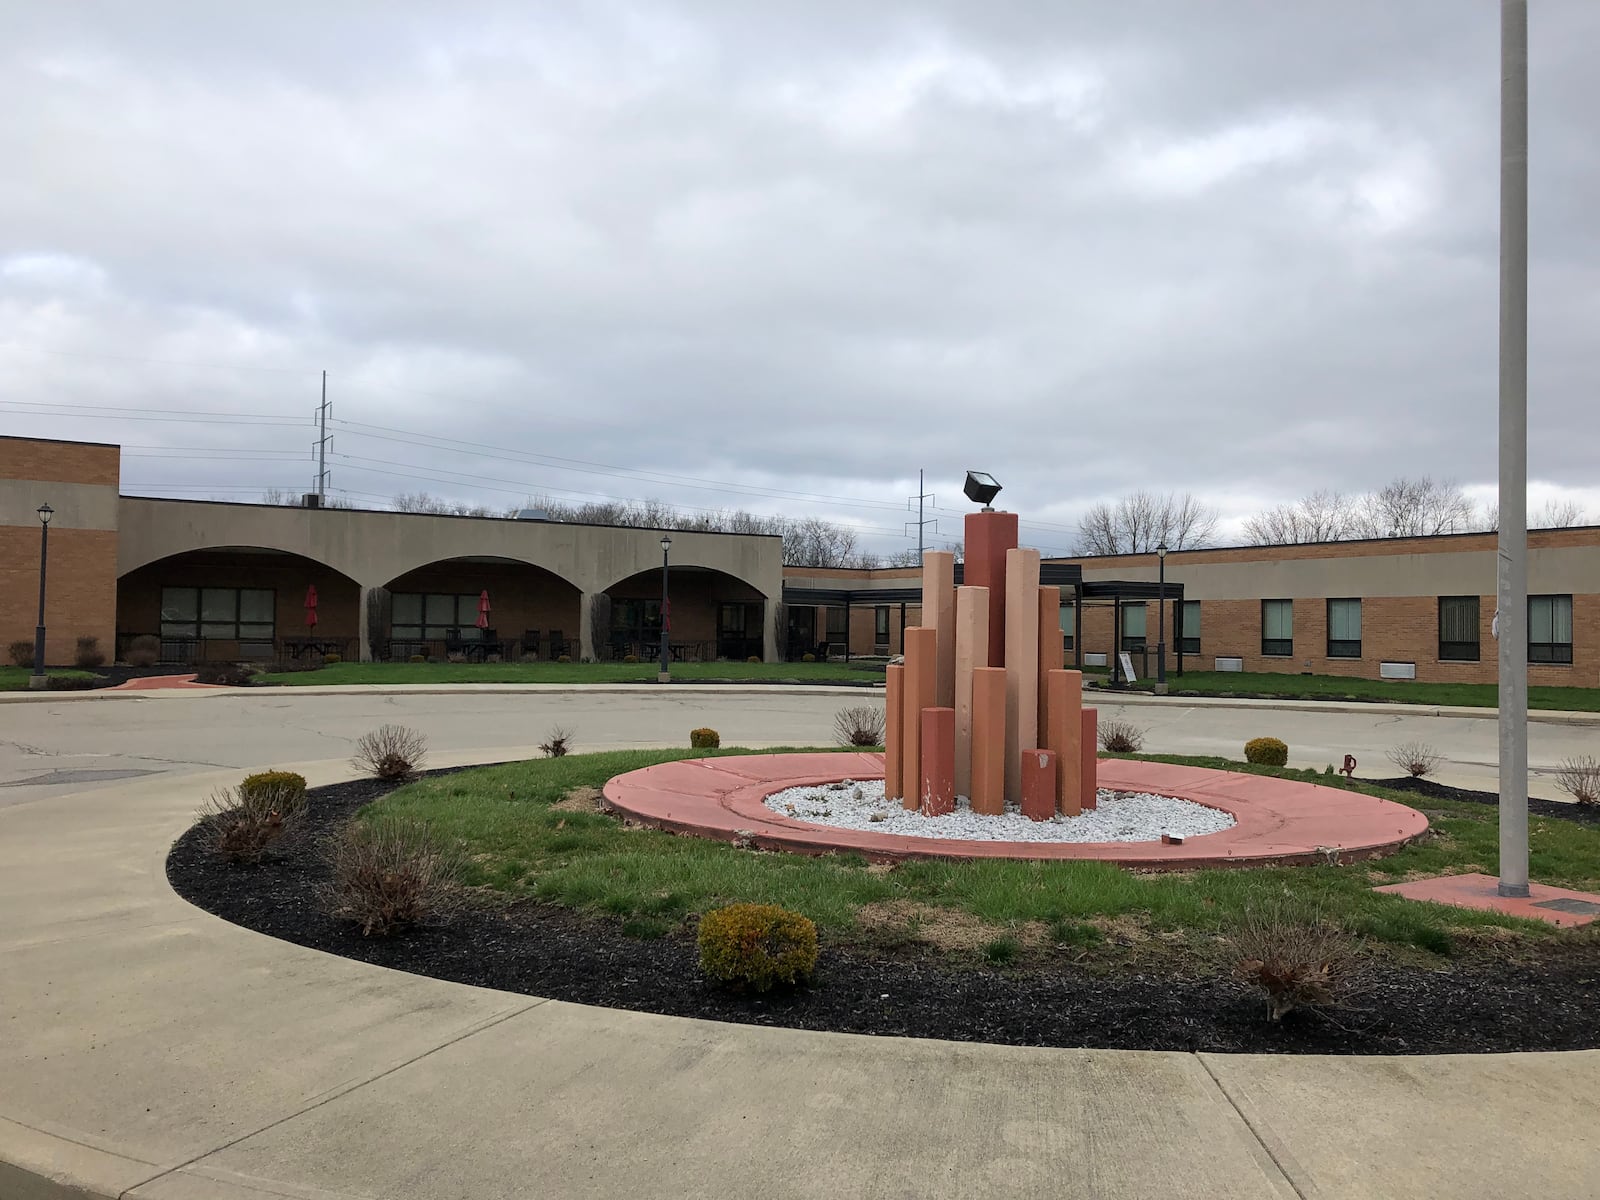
(988, 536)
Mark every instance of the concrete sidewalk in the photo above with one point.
(151, 1050)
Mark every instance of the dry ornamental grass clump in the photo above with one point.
(1297, 963)
(243, 824)
(557, 743)
(1416, 759)
(1121, 737)
(393, 753)
(390, 873)
(861, 725)
(1579, 777)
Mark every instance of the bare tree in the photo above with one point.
(1414, 508)
(1320, 517)
(421, 502)
(1141, 520)
(282, 496)
(1556, 514)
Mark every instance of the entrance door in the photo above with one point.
(802, 635)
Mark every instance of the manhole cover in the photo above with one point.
(50, 779)
(1567, 904)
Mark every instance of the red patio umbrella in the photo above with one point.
(483, 610)
(311, 606)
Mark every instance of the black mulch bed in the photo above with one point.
(1547, 1000)
(1586, 814)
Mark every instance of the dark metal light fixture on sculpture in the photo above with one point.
(981, 488)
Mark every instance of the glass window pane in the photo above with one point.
(219, 604)
(1191, 618)
(437, 632)
(180, 629)
(257, 604)
(1133, 622)
(467, 610)
(1068, 618)
(407, 609)
(1344, 620)
(881, 621)
(262, 632)
(1540, 619)
(221, 629)
(1561, 618)
(441, 610)
(180, 604)
(1458, 618)
(1277, 619)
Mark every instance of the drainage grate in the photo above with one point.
(1567, 904)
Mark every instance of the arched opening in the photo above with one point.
(434, 611)
(233, 603)
(712, 614)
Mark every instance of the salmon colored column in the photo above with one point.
(972, 651)
(917, 693)
(988, 740)
(1051, 657)
(1038, 784)
(1064, 735)
(988, 536)
(893, 730)
(939, 610)
(938, 788)
(1022, 664)
(1089, 765)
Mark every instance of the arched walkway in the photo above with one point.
(434, 610)
(713, 615)
(239, 602)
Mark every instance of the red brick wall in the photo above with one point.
(81, 586)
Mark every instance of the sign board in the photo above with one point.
(1127, 667)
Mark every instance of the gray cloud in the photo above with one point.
(1246, 249)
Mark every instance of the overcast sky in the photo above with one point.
(1244, 248)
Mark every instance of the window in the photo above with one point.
(1133, 627)
(1068, 625)
(1277, 628)
(434, 616)
(731, 619)
(1458, 628)
(838, 626)
(880, 623)
(1344, 629)
(1190, 634)
(1549, 629)
(231, 614)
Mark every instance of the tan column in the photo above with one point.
(1022, 664)
(1064, 735)
(893, 729)
(1050, 655)
(1089, 759)
(972, 651)
(921, 681)
(988, 740)
(939, 611)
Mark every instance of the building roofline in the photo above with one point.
(389, 512)
(23, 437)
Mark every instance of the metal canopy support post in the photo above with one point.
(1116, 637)
(847, 628)
(1512, 576)
(1077, 625)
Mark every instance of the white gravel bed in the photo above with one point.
(1120, 817)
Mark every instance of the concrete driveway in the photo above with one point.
(48, 745)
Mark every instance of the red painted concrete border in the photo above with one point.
(1483, 892)
(152, 683)
(1279, 822)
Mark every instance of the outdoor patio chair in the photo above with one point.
(530, 642)
(558, 644)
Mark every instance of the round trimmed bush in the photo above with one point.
(289, 785)
(329, 660)
(566, 658)
(705, 739)
(755, 658)
(1266, 751)
(756, 946)
(808, 657)
(419, 658)
(630, 658)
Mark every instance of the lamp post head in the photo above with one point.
(45, 513)
(666, 543)
(981, 488)
(1161, 551)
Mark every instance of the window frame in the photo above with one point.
(1552, 653)
(1067, 622)
(1453, 650)
(1187, 644)
(199, 627)
(1136, 643)
(1277, 647)
(880, 622)
(1343, 648)
(426, 628)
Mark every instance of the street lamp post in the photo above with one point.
(666, 619)
(38, 679)
(1161, 615)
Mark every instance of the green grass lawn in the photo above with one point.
(603, 672)
(1337, 687)
(15, 679)
(521, 843)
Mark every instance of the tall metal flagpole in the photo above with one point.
(1512, 575)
